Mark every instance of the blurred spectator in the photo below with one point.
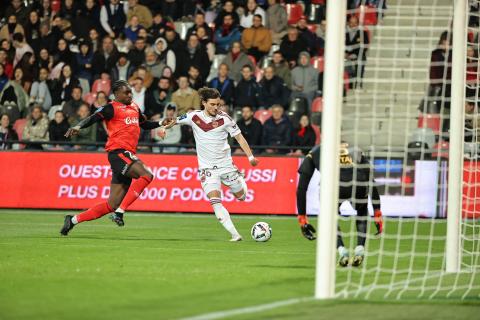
(67, 82)
(138, 93)
(32, 29)
(441, 72)
(158, 26)
(3, 77)
(45, 9)
(251, 129)
(9, 29)
(304, 79)
(19, 78)
(223, 84)
(246, 21)
(174, 134)
(207, 42)
(14, 94)
(123, 69)
(72, 105)
(472, 121)
(40, 92)
(277, 20)
(165, 55)
(143, 73)
(308, 36)
(131, 31)
(356, 46)
(277, 131)
(142, 12)
(157, 98)
(195, 80)
(100, 100)
(57, 129)
(322, 33)
(228, 9)
(88, 18)
(29, 68)
(185, 97)
(21, 47)
(235, 60)
(6, 132)
(45, 60)
(142, 32)
(84, 61)
(71, 39)
(200, 23)
(18, 9)
(273, 90)
(170, 8)
(247, 91)
(69, 9)
(113, 17)
(257, 40)
(304, 136)
(94, 38)
(196, 55)
(281, 68)
(105, 58)
(7, 65)
(175, 43)
(472, 75)
(291, 46)
(152, 64)
(63, 54)
(136, 55)
(226, 34)
(122, 43)
(9, 49)
(86, 135)
(36, 128)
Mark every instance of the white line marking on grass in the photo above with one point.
(247, 310)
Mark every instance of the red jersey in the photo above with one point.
(123, 125)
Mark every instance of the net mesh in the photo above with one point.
(398, 113)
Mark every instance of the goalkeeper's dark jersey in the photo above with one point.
(355, 169)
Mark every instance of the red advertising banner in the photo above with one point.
(471, 190)
(79, 180)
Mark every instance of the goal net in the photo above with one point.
(397, 110)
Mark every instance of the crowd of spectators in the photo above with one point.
(59, 58)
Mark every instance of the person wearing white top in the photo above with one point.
(211, 128)
(246, 20)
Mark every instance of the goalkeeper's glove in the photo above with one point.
(308, 230)
(377, 217)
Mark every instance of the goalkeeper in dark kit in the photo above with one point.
(356, 183)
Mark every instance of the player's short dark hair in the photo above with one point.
(117, 85)
(247, 66)
(248, 106)
(208, 93)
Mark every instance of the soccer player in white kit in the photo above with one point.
(211, 128)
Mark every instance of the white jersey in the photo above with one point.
(211, 134)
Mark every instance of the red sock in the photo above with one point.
(94, 212)
(135, 191)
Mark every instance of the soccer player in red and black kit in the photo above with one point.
(124, 120)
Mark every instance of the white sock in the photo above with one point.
(74, 220)
(359, 250)
(223, 216)
(342, 251)
(120, 210)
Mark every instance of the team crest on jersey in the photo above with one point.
(214, 124)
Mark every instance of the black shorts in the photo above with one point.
(120, 161)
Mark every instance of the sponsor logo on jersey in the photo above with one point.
(183, 116)
(129, 120)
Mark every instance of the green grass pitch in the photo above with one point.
(180, 266)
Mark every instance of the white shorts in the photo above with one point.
(212, 179)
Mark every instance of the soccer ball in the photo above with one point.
(261, 232)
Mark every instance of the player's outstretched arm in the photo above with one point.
(246, 148)
(103, 113)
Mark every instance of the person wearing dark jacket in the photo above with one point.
(200, 22)
(105, 58)
(277, 131)
(6, 132)
(356, 46)
(247, 91)
(113, 17)
(136, 55)
(195, 55)
(228, 8)
(273, 90)
(223, 84)
(304, 135)
(123, 69)
(251, 128)
(58, 127)
(291, 46)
